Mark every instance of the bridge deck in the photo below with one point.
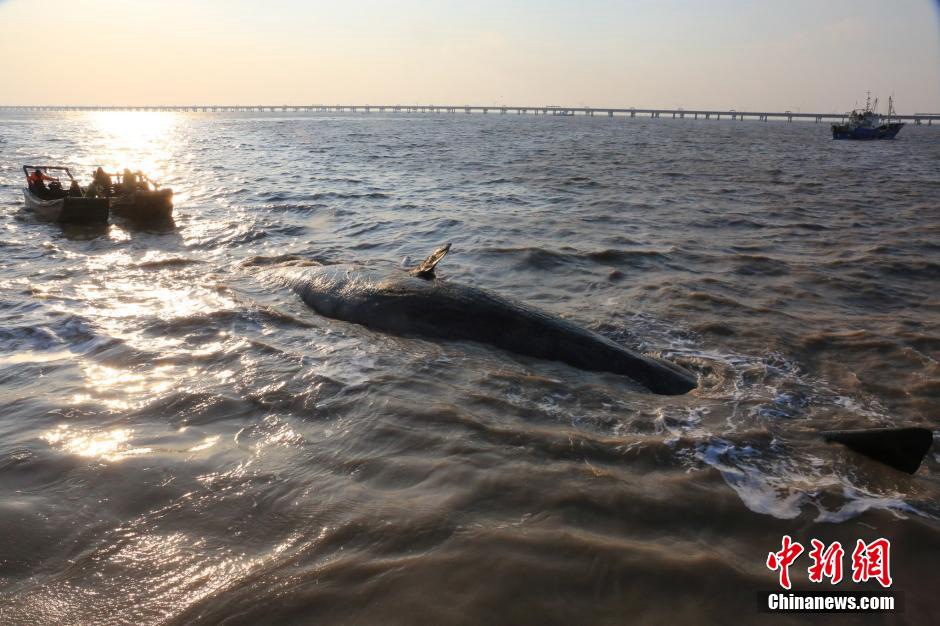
(789, 116)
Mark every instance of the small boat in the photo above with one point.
(67, 206)
(142, 200)
(868, 124)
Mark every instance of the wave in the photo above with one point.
(759, 265)
(283, 259)
(171, 263)
(547, 259)
(339, 195)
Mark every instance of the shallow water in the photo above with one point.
(183, 441)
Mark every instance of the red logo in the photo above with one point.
(783, 559)
(869, 561)
(826, 563)
(872, 560)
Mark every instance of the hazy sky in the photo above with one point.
(809, 55)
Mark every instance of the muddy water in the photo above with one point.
(183, 441)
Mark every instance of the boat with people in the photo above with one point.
(53, 202)
(131, 195)
(136, 196)
(867, 123)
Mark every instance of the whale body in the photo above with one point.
(416, 303)
(406, 304)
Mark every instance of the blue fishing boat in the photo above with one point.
(867, 123)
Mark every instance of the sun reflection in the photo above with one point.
(135, 139)
(207, 443)
(35, 356)
(122, 389)
(109, 445)
(134, 298)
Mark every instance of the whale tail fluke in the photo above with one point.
(426, 268)
(901, 448)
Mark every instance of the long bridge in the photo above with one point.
(731, 114)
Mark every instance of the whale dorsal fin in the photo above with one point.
(426, 268)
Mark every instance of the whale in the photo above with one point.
(418, 303)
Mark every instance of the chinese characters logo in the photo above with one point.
(870, 561)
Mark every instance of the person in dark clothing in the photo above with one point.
(75, 189)
(130, 181)
(102, 181)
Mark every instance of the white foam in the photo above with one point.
(781, 487)
(760, 492)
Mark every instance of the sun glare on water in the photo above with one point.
(111, 445)
(139, 140)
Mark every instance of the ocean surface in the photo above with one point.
(183, 441)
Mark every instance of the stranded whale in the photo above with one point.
(417, 303)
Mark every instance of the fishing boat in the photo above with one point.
(140, 199)
(68, 206)
(867, 123)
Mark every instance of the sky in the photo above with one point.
(801, 55)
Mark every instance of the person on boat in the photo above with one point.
(74, 189)
(35, 180)
(102, 182)
(130, 181)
